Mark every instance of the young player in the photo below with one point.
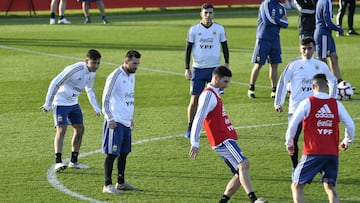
(300, 73)
(272, 17)
(203, 41)
(325, 44)
(221, 135)
(118, 109)
(62, 97)
(320, 115)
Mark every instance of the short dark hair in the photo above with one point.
(93, 54)
(206, 6)
(307, 40)
(222, 71)
(320, 79)
(133, 54)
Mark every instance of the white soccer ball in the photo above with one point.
(345, 90)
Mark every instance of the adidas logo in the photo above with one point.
(324, 112)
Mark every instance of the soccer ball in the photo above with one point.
(345, 90)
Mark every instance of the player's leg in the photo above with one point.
(331, 193)
(76, 120)
(352, 7)
(334, 59)
(232, 186)
(101, 6)
(197, 84)
(273, 76)
(62, 7)
(86, 10)
(298, 192)
(261, 50)
(60, 115)
(53, 6)
(329, 177)
(239, 165)
(111, 147)
(341, 12)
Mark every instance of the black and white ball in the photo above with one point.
(345, 90)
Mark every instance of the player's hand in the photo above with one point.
(188, 74)
(42, 108)
(343, 146)
(279, 108)
(132, 125)
(291, 149)
(193, 152)
(112, 124)
(97, 114)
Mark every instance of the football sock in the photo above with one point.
(121, 168)
(252, 87)
(273, 89)
(224, 199)
(252, 196)
(108, 167)
(58, 158)
(190, 124)
(52, 15)
(74, 157)
(339, 80)
(61, 17)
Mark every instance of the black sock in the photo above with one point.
(58, 158)
(252, 87)
(273, 89)
(189, 125)
(108, 167)
(61, 17)
(252, 196)
(74, 157)
(224, 199)
(52, 15)
(339, 80)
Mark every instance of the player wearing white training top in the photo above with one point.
(204, 41)
(300, 73)
(62, 97)
(118, 109)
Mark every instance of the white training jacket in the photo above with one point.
(65, 88)
(300, 73)
(118, 97)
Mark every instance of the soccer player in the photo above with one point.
(300, 73)
(86, 7)
(306, 19)
(203, 41)
(320, 115)
(62, 98)
(325, 44)
(118, 109)
(221, 135)
(62, 7)
(272, 17)
(339, 17)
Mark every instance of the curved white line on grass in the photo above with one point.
(52, 178)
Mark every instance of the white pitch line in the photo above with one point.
(52, 177)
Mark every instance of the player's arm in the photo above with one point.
(106, 97)
(188, 49)
(301, 112)
(281, 89)
(328, 19)
(54, 87)
(207, 102)
(349, 126)
(225, 50)
(89, 88)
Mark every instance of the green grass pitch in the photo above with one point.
(32, 52)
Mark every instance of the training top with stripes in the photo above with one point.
(65, 88)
